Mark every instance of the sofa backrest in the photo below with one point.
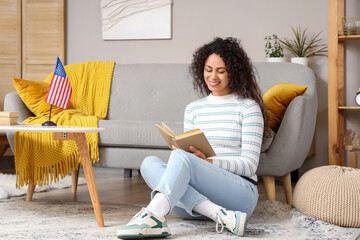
(150, 92)
(270, 74)
(160, 92)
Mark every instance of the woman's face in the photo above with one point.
(216, 76)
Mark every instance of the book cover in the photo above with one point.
(8, 120)
(9, 114)
(184, 140)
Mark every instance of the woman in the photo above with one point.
(233, 117)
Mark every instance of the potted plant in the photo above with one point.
(304, 46)
(273, 49)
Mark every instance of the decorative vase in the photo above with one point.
(300, 60)
(276, 59)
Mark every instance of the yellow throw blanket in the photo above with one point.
(39, 158)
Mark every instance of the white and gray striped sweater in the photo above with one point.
(234, 127)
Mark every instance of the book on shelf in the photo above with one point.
(9, 114)
(195, 138)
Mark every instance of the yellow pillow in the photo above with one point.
(278, 98)
(33, 94)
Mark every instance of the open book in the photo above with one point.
(195, 138)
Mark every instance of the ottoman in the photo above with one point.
(331, 194)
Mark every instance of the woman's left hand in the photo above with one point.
(199, 154)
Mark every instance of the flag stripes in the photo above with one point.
(60, 91)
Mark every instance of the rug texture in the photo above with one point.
(8, 185)
(76, 220)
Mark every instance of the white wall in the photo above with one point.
(196, 22)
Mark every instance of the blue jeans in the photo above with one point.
(188, 180)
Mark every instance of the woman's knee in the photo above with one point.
(149, 164)
(178, 155)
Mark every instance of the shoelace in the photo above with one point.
(219, 219)
(138, 216)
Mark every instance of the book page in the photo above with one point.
(168, 129)
(188, 133)
(169, 138)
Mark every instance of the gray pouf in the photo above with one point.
(331, 194)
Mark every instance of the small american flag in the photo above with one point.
(59, 93)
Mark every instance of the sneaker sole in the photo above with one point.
(146, 233)
(140, 236)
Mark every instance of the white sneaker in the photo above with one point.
(234, 221)
(144, 225)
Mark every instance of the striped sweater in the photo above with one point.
(234, 127)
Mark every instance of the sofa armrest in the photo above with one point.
(293, 139)
(13, 103)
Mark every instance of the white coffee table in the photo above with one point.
(72, 133)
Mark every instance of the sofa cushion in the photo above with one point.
(278, 98)
(33, 94)
(140, 134)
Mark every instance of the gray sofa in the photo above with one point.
(145, 94)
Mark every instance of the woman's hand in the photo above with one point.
(196, 152)
(199, 154)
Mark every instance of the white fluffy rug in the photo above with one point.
(8, 188)
(76, 220)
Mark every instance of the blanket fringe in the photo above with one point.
(46, 175)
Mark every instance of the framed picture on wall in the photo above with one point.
(136, 19)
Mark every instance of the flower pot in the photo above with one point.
(276, 59)
(300, 60)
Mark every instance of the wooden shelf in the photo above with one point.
(336, 82)
(349, 107)
(349, 37)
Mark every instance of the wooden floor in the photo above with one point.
(114, 188)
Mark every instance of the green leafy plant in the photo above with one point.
(304, 45)
(273, 46)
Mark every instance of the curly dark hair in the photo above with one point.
(241, 74)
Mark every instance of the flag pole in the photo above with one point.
(50, 111)
(49, 123)
(59, 92)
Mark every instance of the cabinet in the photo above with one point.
(336, 100)
(31, 37)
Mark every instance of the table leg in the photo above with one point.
(30, 191)
(80, 140)
(89, 175)
(74, 183)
